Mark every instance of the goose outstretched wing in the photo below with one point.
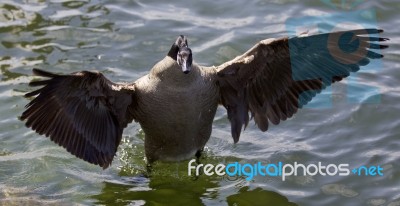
(83, 112)
(276, 77)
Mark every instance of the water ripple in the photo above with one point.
(170, 12)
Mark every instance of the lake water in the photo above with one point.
(124, 39)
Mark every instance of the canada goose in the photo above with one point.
(176, 102)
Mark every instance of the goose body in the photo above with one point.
(176, 110)
(175, 103)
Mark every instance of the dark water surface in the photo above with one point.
(124, 39)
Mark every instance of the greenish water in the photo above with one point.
(124, 39)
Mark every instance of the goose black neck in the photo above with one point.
(173, 52)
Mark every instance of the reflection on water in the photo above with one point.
(159, 190)
(124, 39)
(246, 196)
(173, 191)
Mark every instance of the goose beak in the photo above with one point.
(184, 59)
(186, 67)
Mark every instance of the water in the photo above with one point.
(124, 39)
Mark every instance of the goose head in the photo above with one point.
(182, 54)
